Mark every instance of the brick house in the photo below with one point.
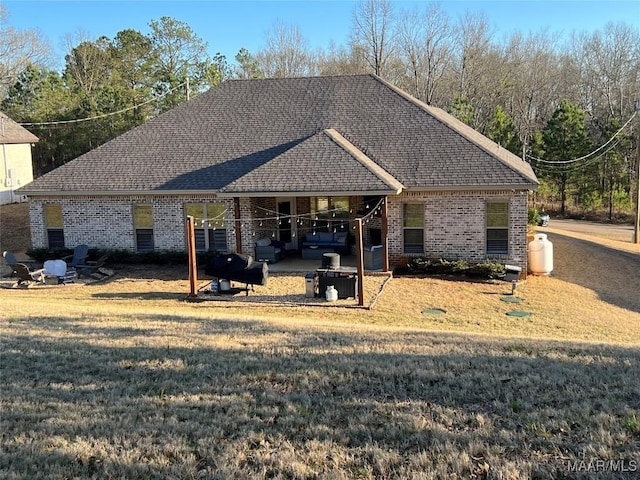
(286, 159)
(16, 168)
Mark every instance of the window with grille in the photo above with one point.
(143, 221)
(330, 213)
(413, 227)
(497, 228)
(54, 225)
(210, 227)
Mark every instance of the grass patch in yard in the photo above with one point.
(124, 379)
(186, 396)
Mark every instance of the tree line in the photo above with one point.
(561, 103)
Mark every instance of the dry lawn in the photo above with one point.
(124, 379)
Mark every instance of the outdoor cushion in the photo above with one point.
(263, 242)
(325, 237)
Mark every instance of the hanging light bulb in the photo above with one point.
(316, 217)
(334, 230)
(328, 225)
(314, 232)
(333, 214)
(289, 220)
(351, 210)
(293, 235)
(260, 222)
(367, 206)
(314, 224)
(273, 234)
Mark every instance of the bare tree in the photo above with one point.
(531, 85)
(609, 64)
(475, 37)
(372, 32)
(425, 44)
(341, 61)
(18, 50)
(286, 53)
(88, 62)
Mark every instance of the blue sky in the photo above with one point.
(228, 26)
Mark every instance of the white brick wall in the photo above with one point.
(107, 222)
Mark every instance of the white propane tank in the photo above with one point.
(540, 256)
(331, 293)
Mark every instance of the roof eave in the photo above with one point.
(151, 193)
(475, 188)
(316, 193)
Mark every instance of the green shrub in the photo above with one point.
(534, 217)
(440, 266)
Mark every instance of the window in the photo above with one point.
(497, 228)
(54, 225)
(210, 225)
(332, 213)
(143, 220)
(413, 224)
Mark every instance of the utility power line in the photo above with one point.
(104, 115)
(584, 157)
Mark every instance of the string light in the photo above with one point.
(226, 218)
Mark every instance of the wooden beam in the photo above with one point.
(191, 254)
(385, 232)
(360, 261)
(238, 224)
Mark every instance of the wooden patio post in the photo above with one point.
(191, 254)
(385, 232)
(360, 261)
(238, 224)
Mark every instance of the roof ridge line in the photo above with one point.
(364, 160)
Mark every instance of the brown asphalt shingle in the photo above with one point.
(11, 132)
(253, 136)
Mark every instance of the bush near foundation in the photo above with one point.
(440, 266)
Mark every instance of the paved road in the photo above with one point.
(623, 233)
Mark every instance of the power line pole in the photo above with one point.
(636, 230)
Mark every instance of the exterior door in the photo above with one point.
(287, 225)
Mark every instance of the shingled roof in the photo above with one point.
(342, 134)
(11, 132)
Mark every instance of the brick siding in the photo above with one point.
(454, 223)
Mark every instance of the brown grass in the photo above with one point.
(124, 379)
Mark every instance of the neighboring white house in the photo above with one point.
(16, 168)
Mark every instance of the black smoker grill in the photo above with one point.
(238, 268)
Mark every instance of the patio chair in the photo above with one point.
(79, 257)
(91, 267)
(25, 274)
(11, 261)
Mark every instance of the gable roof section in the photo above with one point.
(322, 163)
(281, 135)
(11, 132)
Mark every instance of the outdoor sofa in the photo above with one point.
(314, 245)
